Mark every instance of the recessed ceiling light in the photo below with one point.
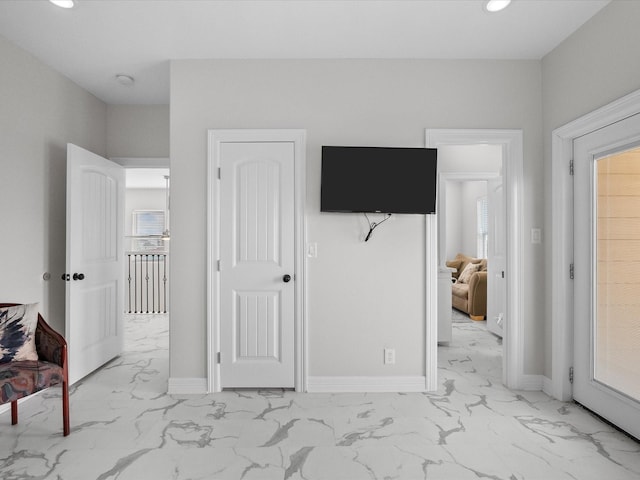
(63, 3)
(123, 79)
(496, 5)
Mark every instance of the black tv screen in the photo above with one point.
(378, 179)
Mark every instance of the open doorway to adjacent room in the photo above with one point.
(471, 251)
(147, 259)
(470, 163)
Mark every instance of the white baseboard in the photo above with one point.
(547, 386)
(187, 386)
(530, 382)
(366, 384)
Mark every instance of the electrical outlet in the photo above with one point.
(389, 356)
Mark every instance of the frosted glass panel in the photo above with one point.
(617, 314)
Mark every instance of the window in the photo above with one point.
(482, 227)
(148, 222)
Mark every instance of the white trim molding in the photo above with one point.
(431, 303)
(562, 233)
(511, 142)
(215, 138)
(142, 162)
(366, 384)
(547, 386)
(531, 382)
(187, 386)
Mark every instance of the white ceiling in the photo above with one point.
(98, 39)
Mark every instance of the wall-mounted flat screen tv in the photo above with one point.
(378, 179)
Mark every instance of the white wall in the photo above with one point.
(596, 65)
(40, 111)
(138, 130)
(463, 159)
(453, 220)
(470, 158)
(362, 297)
(461, 217)
(471, 192)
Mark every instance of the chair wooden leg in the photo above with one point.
(14, 412)
(65, 408)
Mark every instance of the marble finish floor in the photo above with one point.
(460, 317)
(124, 427)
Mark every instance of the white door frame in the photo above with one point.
(562, 233)
(512, 165)
(215, 138)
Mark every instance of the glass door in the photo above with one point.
(617, 281)
(607, 273)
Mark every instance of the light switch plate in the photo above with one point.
(312, 250)
(536, 235)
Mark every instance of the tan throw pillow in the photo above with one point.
(464, 261)
(18, 333)
(469, 270)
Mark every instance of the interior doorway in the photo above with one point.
(147, 275)
(471, 224)
(471, 236)
(147, 235)
(147, 261)
(256, 263)
(509, 142)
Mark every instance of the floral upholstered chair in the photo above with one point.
(33, 357)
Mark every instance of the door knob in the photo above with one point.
(66, 277)
(78, 276)
(286, 278)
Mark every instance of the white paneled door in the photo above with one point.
(607, 273)
(497, 258)
(94, 265)
(257, 261)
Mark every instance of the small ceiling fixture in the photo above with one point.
(123, 79)
(493, 6)
(63, 3)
